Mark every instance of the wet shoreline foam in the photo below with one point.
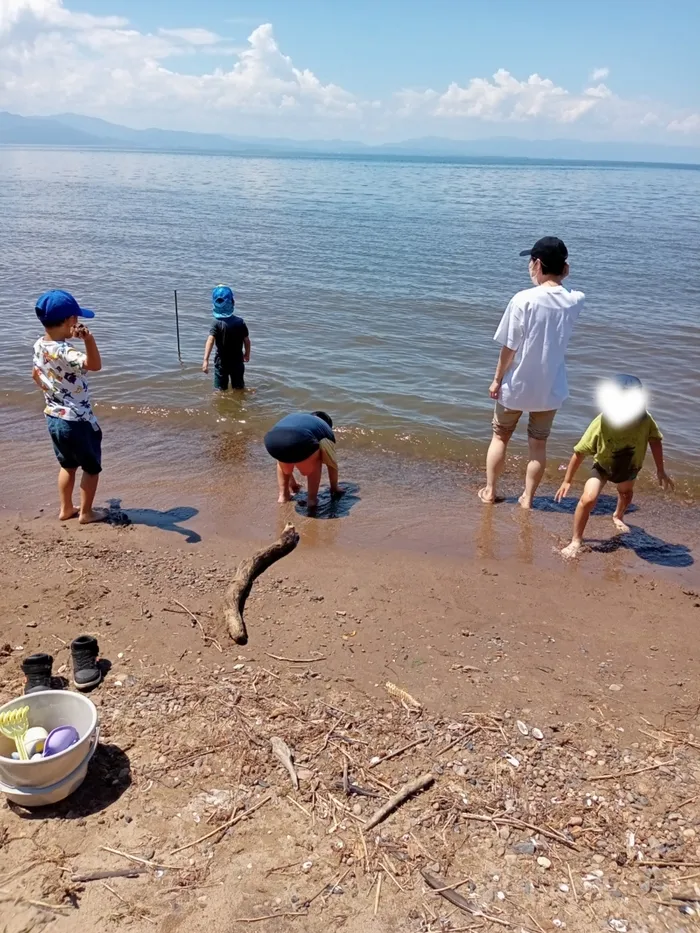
(200, 476)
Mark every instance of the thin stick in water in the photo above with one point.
(177, 327)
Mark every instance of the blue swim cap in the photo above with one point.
(222, 302)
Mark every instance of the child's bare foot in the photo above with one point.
(486, 497)
(571, 551)
(312, 505)
(525, 502)
(620, 526)
(65, 516)
(284, 497)
(94, 515)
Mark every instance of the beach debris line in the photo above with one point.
(246, 574)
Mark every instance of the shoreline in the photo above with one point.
(248, 417)
(210, 482)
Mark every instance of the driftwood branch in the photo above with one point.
(408, 790)
(248, 571)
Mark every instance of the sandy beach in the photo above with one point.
(600, 656)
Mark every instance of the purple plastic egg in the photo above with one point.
(59, 739)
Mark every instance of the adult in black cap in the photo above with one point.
(534, 334)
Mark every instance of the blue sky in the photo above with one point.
(339, 68)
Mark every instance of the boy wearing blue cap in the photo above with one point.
(59, 371)
(230, 335)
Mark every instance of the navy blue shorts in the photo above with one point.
(289, 446)
(225, 371)
(76, 444)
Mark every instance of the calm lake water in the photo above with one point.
(372, 288)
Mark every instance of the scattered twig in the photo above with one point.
(666, 863)
(21, 899)
(291, 913)
(413, 787)
(464, 735)
(399, 751)
(114, 873)
(356, 789)
(571, 879)
(297, 804)
(224, 826)
(207, 638)
(624, 774)
(379, 892)
(441, 885)
(326, 887)
(279, 657)
(521, 824)
(451, 887)
(142, 910)
(142, 861)
(245, 576)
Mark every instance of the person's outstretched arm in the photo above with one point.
(208, 347)
(246, 350)
(571, 471)
(657, 452)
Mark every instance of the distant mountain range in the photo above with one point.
(73, 130)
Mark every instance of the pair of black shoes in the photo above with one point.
(86, 671)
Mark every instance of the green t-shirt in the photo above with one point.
(619, 452)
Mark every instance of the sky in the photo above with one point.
(369, 70)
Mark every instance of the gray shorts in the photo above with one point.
(505, 421)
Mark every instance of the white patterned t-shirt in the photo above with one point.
(61, 371)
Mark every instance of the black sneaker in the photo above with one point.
(37, 670)
(86, 673)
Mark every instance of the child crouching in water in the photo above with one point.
(617, 440)
(305, 442)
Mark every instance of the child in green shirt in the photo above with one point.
(617, 440)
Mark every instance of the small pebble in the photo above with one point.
(543, 862)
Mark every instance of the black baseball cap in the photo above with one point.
(551, 252)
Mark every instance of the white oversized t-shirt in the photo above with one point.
(538, 323)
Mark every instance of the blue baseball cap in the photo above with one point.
(55, 306)
(222, 301)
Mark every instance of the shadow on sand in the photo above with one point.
(152, 518)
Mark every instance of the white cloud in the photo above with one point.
(689, 124)
(505, 99)
(194, 36)
(54, 59)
